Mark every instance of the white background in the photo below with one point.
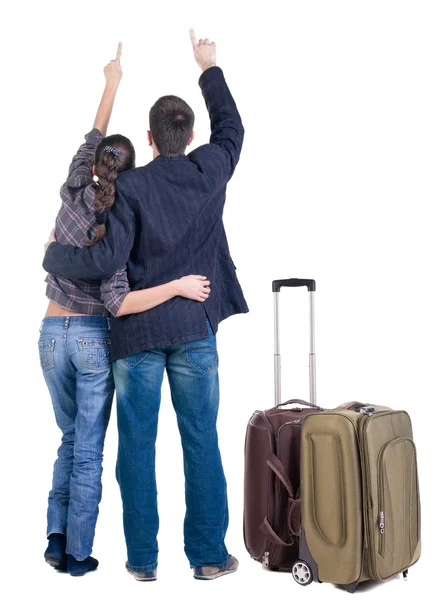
(337, 182)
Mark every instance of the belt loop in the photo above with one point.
(108, 319)
(41, 326)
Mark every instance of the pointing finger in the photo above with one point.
(193, 38)
(119, 52)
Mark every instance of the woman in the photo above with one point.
(75, 345)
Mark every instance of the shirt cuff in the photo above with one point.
(94, 137)
(115, 303)
(210, 74)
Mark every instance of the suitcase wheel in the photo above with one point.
(302, 573)
(351, 587)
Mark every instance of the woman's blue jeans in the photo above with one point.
(75, 354)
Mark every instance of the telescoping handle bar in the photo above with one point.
(276, 287)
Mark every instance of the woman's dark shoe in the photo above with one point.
(55, 554)
(80, 567)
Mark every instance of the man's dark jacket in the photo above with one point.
(166, 222)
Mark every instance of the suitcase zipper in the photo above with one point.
(294, 422)
(382, 533)
(369, 521)
(367, 500)
(381, 492)
(381, 497)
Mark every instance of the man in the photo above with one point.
(166, 222)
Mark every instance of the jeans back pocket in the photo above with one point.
(135, 359)
(95, 353)
(202, 354)
(46, 349)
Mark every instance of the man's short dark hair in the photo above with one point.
(171, 122)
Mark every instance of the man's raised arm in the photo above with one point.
(107, 256)
(226, 125)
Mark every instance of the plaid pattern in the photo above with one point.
(74, 224)
(166, 223)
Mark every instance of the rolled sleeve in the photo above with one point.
(80, 171)
(93, 137)
(114, 290)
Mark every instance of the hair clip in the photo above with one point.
(111, 150)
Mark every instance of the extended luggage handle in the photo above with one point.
(276, 287)
(279, 283)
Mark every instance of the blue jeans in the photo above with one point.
(192, 369)
(75, 354)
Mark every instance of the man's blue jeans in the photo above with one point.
(75, 354)
(192, 369)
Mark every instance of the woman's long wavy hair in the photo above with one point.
(108, 166)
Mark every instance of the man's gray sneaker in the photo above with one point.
(143, 576)
(213, 571)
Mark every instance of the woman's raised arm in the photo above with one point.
(113, 75)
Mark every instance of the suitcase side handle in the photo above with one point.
(294, 505)
(366, 409)
(300, 402)
(308, 283)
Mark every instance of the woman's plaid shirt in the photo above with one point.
(74, 224)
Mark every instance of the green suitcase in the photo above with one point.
(360, 505)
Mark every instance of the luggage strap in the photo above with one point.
(294, 504)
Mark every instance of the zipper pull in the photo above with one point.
(382, 522)
(265, 560)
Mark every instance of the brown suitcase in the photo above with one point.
(272, 462)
